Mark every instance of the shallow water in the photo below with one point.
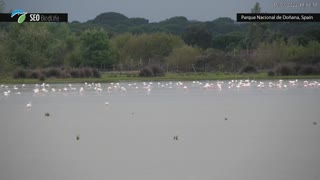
(245, 133)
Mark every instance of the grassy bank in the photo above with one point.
(117, 77)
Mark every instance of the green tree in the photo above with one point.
(145, 48)
(29, 44)
(160, 45)
(119, 43)
(224, 25)
(175, 25)
(256, 8)
(312, 34)
(197, 35)
(61, 43)
(218, 61)
(183, 58)
(271, 54)
(96, 48)
(5, 66)
(73, 57)
(39, 45)
(312, 51)
(109, 18)
(228, 41)
(258, 31)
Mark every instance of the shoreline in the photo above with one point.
(129, 77)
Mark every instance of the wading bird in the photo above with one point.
(29, 105)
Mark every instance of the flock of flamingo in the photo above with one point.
(147, 87)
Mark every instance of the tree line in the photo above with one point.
(111, 41)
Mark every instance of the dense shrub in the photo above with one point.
(150, 71)
(34, 74)
(285, 70)
(54, 72)
(66, 72)
(81, 73)
(75, 73)
(96, 73)
(58, 73)
(297, 68)
(248, 69)
(308, 70)
(43, 72)
(87, 72)
(20, 73)
(146, 72)
(271, 73)
(157, 70)
(66, 75)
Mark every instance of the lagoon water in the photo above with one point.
(245, 133)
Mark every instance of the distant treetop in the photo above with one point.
(109, 17)
(224, 20)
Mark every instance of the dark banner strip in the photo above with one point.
(278, 17)
(35, 17)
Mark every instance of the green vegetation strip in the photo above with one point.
(111, 77)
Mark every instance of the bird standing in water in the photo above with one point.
(29, 105)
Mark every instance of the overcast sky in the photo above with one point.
(153, 10)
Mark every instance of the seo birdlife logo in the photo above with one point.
(22, 15)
